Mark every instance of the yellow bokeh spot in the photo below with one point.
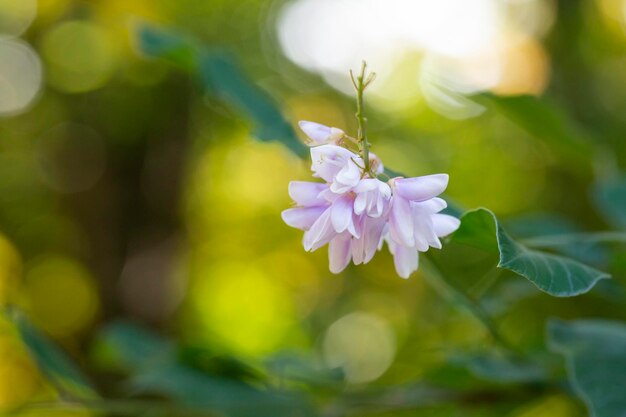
(363, 344)
(61, 295)
(245, 309)
(525, 68)
(16, 16)
(51, 10)
(80, 56)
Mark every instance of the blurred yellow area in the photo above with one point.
(551, 406)
(10, 270)
(244, 308)
(61, 294)
(19, 377)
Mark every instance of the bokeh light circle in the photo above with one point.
(80, 56)
(361, 343)
(20, 76)
(248, 311)
(16, 16)
(62, 295)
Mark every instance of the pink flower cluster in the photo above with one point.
(354, 213)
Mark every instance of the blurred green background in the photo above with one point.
(133, 188)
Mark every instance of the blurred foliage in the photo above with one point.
(140, 227)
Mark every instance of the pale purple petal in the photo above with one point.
(339, 253)
(421, 188)
(318, 133)
(376, 163)
(306, 193)
(302, 217)
(328, 160)
(355, 227)
(401, 222)
(346, 179)
(444, 224)
(320, 233)
(372, 198)
(372, 237)
(422, 231)
(360, 203)
(366, 184)
(405, 260)
(341, 213)
(358, 249)
(432, 206)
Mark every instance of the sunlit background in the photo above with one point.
(128, 193)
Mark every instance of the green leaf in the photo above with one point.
(126, 346)
(594, 351)
(232, 398)
(610, 199)
(503, 368)
(158, 366)
(222, 78)
(557, 275)
(172, 46)
(52, 361)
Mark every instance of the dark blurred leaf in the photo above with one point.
(557, 275)
(544, 225)
(499, 367)
(595, 352)
(610, 199)
(545, 121)
(155, 365)
(299, 369)
(232, 398)
(52, 361)
(130, 347)
(222, 78)
(157, 43)
(208, 362)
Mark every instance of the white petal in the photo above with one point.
(444, 224)
(341, 213)
(306, 193)
(302, 217)
(401, 222)
(339, 253)
(421, 188)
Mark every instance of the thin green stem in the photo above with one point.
(438, 280)
(360, 83)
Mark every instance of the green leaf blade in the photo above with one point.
(556, 275)
(596, 363)
(60, 370)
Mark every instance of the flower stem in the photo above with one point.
(360, 83)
